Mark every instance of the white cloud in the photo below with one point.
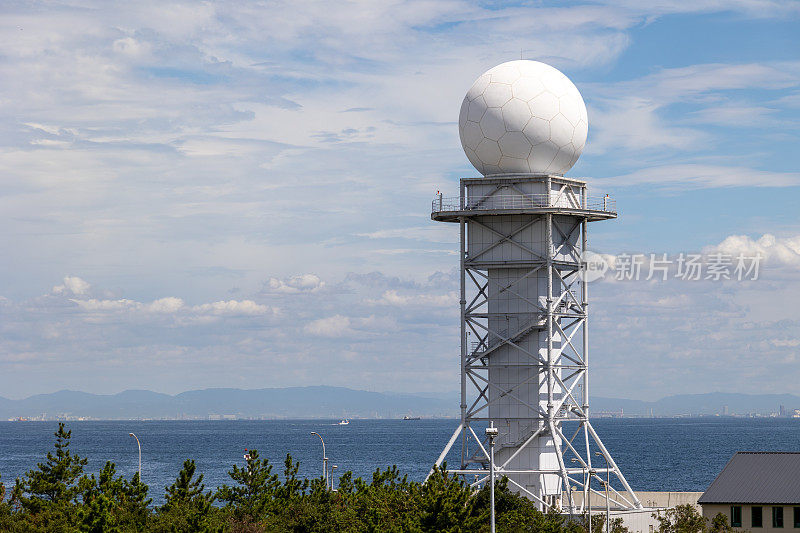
(72, 285)
(106, 305)
(171, 305)
(332, 326)
(430, 233)
(640, 114)
(779, 251)
(394, 298)
(738, 116)
(165, 305)
(754, 8)
(295, 284)
(698, 176)
(789, 343)
(674, 300)
(128, 46)
(233, 307)
(633, 122)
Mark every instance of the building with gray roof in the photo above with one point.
(759, 491)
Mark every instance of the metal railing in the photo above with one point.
(527, 201)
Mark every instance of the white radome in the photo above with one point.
(523, 117)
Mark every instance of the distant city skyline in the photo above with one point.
(238, 195)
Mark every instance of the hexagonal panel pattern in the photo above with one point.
(515, 144)
(516, 114)
(523, 117)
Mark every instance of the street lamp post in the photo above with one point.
(608, 482)
(592, 472)
(324, 460)
(333, 477)
(491, 432)
(139, 444)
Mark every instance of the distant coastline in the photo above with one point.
(324, 402)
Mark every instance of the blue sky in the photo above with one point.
(237, 194)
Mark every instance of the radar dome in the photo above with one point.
(523, 117)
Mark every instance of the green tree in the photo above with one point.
(188, 505)
(111, 503)
(514, 513)
(5, 509)
(386, 503)
(254, 493)
(446, 505)
(719, 524)
(681, 519)
(186, 488)
(293, 488)
(53, 482)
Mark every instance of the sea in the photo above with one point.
(661, 454)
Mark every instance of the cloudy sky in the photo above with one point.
(237, 194)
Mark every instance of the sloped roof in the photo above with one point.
(757, 477)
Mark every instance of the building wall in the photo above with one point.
(669, 499)
(644, 520)
(653, 500)
(711, 510)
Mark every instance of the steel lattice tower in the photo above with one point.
(524, 336)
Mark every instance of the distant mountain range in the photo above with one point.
(339, 402)
(291, 402)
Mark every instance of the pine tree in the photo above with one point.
(53, 482)
(254, 493)
(293, 488)
(681, 519)
(111, 502)
(135, 493)
(185, 489)
(5, 509)
(446, 504)
(187, 504)
(99, 515)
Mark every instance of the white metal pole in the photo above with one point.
(491, 432)
(589, 499)
(608, 482)
(585, 302)
(462, 223)
(324, 460)
(549, 325)
(587, 491)
(139, 444)
(608, 506)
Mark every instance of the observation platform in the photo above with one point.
(450, 209)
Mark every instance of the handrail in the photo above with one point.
(526, 201)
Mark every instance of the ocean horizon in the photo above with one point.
(661, 454)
